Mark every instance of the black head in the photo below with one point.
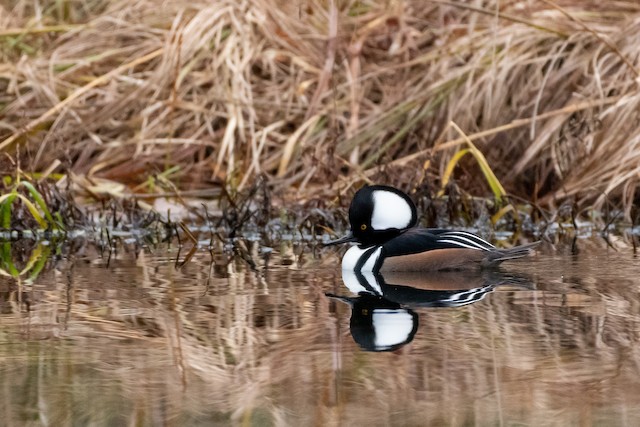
(378, 213)
(380, 325)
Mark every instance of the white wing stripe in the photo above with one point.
(466, 235)
(472, 295)
(471, 242)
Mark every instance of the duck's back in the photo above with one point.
(423, 249)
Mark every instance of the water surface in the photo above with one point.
(140, 341)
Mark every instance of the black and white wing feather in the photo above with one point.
(418, 240)
(463, 239)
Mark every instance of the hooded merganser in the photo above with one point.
(378, 324)
(382, 316)
(384, 224)
(438, 289)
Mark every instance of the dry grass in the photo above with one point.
(222, 91)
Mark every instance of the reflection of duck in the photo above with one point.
(384, 224)
(382, 318)
(378, 324)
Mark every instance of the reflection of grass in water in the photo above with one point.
(145, 340)
(61, 377)
(38, 257)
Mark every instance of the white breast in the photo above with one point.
(353, 283)
(353, 255)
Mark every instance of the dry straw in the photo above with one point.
(225, 90)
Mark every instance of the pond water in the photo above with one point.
(255, 340)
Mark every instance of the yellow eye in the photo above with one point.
(363, 227)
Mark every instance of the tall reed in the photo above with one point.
(222, 91)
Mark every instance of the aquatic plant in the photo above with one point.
(35, 205)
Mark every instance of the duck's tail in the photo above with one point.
(497, 256)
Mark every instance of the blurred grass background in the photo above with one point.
(317, 95)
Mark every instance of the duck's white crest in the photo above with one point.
(390, 211)
(353, 255)
(392, 326)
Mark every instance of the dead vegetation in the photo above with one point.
(311, 93)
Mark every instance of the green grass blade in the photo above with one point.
(35, 194)
(35, 256)
(5, 210)
(6, 261)
(33, 211)
(503, 211)
(494, 183)
(448, 171)
(492, 180)
(42, 261)
(6, 196)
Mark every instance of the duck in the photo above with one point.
(436, 289)
(384, 226)
(383, 316)
(378, 324)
